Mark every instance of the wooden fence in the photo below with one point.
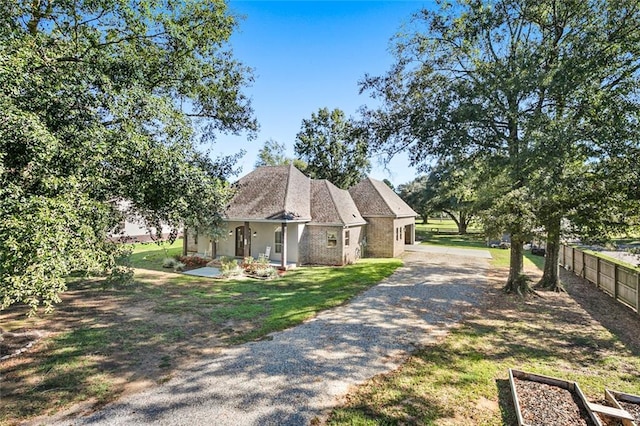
(620, 282)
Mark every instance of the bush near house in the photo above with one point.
(192, 261)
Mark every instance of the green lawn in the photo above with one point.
(441, 225)
(104, 338)
(150, 255)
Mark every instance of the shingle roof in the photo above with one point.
(375, 199)
(271, 193)
(331, 205)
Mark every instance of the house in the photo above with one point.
(133, 229)
(391, 223)
(279, 212)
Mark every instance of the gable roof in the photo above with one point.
(271, 193)
(331, 205)
(375, 199)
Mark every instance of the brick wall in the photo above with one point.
(353, 252)
(380, 237)
(399, 243)
(385, 236)
(316, 250)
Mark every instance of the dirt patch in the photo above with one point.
(616, 317)
(14, 343)
(580, 313)
(102, 343)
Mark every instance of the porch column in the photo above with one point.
(283, 261)
(247, 240)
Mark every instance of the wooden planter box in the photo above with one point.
(572, 387)
(615, 398)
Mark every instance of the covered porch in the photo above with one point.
(275, 240)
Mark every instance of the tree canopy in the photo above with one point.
(106, 101)
(526, 88)
(272, 153)
(334, 148)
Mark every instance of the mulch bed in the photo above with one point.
(633, 409)
(546, 405)
(630, 407)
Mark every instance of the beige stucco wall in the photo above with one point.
(192, 242)
(264, 236)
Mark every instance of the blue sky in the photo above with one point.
(308, 55)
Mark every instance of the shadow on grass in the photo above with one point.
(507, 406)
(103, 339)
(552, 335)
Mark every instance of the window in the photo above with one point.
(346, 238)
(278, 240)
(332, 239)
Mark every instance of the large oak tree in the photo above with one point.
(104, 101)
(333, 147)
(524, 87)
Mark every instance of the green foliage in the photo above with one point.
(414, 193)
(173, 263)
(102, 102)
(451, 188)
(169, 262)
(272, 153)
(229, 266)
(334, 148)
(538, 93)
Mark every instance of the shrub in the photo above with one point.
(192, 261)
(169, 262)
(229, 266)
(268, 272)
(259, 268)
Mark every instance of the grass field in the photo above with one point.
(473, 240)
(101, 342)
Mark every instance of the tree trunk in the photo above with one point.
(463, 224)
(551, 277)
(462, 228)
(517, 283)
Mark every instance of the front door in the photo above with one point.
(241, 241)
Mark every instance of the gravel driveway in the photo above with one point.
(296, 375)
